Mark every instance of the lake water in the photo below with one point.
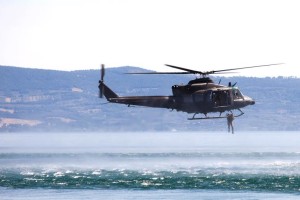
(162, 165)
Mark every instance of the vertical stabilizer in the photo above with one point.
(107, 92)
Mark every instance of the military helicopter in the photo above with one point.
(199, 96)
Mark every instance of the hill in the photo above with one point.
(48, 100)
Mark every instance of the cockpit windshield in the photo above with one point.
(237, 94)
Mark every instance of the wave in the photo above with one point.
(130, 179)
(268, 171)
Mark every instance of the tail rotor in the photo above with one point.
(101, 87)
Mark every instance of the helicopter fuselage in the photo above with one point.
(191, 98)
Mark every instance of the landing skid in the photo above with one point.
(220, 117)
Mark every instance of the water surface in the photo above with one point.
(167, 165)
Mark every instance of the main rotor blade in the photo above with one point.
(185, 69)
(159, 73)
(224, 70)
(190, 71)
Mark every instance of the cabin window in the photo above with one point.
(209, 96)
(221, 98)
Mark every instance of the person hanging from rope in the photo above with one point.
(230, 119)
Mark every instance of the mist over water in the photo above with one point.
(249, 163)
(140, 142)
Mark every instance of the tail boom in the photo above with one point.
(148, 101)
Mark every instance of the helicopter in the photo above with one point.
(198, 96)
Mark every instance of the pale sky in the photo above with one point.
(196, 34)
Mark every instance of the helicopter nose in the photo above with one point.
(249, 101)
